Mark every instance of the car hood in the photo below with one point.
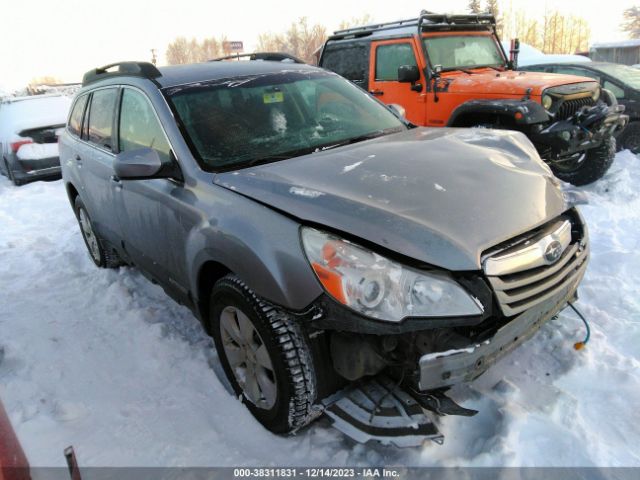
(490, 82)
(440, 196)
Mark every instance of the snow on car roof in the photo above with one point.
(532, 56)
(23, 113)
(618, 44)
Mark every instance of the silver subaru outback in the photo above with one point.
(345, 262)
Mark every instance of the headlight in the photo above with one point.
(547, 101)
(596, 94)
(381, 288)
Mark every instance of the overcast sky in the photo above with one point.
(65, 38)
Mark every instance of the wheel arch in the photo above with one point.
(269, 260)
(512, 112)
(72, 193)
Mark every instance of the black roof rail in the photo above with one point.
(266, 56)
(376, 26)
(131, 69)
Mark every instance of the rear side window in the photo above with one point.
(103, 104)
(139, 126)
(390, 57)
(581, 72)
(349, 61)
(75, 120)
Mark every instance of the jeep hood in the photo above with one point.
(490, 82)
(440, 196)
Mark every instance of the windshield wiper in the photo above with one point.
(359, 138)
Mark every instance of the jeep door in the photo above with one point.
(385, 58)
(154, 213)
(93, 161)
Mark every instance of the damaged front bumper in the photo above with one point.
(584, 130)
(443, 369)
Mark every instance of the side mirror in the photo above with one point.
(437, 70)
(398, 109)
(408, 74)
(137, 164)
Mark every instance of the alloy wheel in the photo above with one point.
(89, 236)
(248, 357)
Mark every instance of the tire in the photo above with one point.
(629, 138)
(288, 364)
(101, 254)
(591, 167)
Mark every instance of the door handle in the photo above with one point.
(116, 181)
(78, 158)
(376, 93)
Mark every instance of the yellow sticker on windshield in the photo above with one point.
(273, 97)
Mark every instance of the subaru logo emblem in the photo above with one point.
(553, 251)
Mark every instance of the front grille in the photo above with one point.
(570, 107)
(521, 290)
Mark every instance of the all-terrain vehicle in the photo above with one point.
(451, 70)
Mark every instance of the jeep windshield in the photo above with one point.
(457, 52)
(237, 122)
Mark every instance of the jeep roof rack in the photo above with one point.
(131, 69)
(265, 56)
(426, 21)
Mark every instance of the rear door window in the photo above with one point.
(100, 123)
(348, 60)
(139, 126)
(581, 72)
(75, 120)
(390, 57)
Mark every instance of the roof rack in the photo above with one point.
(266, 56)
(131, 69)
(426, 20)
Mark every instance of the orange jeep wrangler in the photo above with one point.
(451, 70)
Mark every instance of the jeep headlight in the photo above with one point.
(596, 94)
(547, 101)
(381, 288)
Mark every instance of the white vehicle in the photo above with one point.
(29, 128)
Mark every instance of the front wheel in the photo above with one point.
(587, 167)
(265, 355)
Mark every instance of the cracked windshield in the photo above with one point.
(265, 118)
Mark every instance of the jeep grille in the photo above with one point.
(570, 107)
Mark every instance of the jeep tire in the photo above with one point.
(265, 355)
(591, 167)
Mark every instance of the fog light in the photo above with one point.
(565, 136)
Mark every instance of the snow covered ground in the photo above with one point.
(105, 361)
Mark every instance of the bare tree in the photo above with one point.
(631, 23)
(178, 51)
(301, 40)
(365, 19)
(474, 6)
(492, 8)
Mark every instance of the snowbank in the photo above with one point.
(105, 361)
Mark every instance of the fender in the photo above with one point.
(531, 112)
(269, 259)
